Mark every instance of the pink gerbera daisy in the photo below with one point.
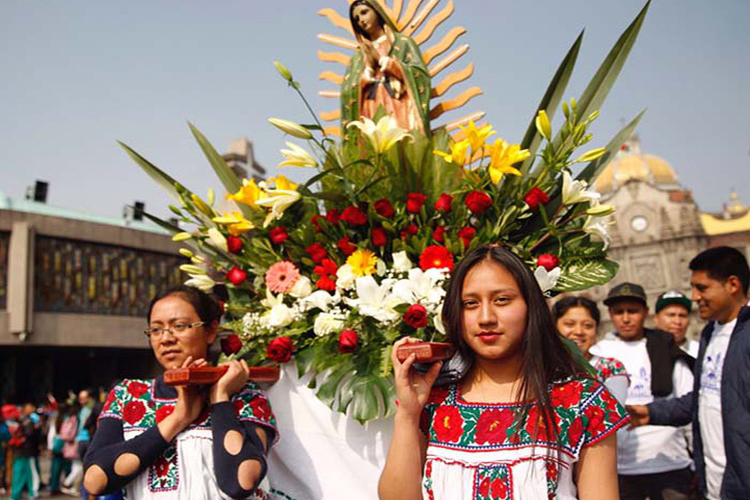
(282, 276)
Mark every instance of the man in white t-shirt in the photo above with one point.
(672, 315)
(652, 462)
(719, 405)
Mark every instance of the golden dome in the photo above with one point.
(630, 164)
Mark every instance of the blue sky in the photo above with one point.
(79, 75)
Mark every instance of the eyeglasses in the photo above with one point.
(177, 329)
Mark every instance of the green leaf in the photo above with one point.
(550, 102)
(583, 274)
(169, 184)
(594, 168)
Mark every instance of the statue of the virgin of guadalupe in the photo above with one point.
(386, 71)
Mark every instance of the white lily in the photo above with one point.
(291, 128)
(278, 200)
(594, 225)
(547, 279)
(575, 191)
(280, 316)
(297, 157)
(201, 281)
(598, 210)
(382, 135)
(319, 299)
(420, 286)
(217, 239)
(272, 300)
(375, 300)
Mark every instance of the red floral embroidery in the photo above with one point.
(261, 409)
(492, 425)
(448, 423)
(161, 466)
(575, 431)
(596, 417)
(498, 489)
(484, 487)
(238, 406)
(552, 471)
(567, 395)
(437, 396)
(163, 412)
(133, 412)
(535, 425)
(137, 389)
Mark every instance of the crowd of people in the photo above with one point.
(642, 413)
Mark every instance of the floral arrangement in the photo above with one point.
(331, 272)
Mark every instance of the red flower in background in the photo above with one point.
(327, 272)
(137, 389)
(492, 426)
(345, 246)
(333, 216)
(410, 230)
(348, 341)
(534, 197)
(316, 252)
(231, 344)
(547, 261)
(316, 222)
(416, 316)
(354, 216)
(133, 412)
(163, 412)
(280, 349)
(378, 236)
(478, 202)
(234, 244)
(439, 234)
(384, 208)
(444, 203)
(436, 257)
(278, 234)
(448, 424)
(414, 202)
(236, 276)
(467, 234)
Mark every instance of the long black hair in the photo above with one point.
(544, 356)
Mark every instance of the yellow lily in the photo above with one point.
(248, 194)
(457, 154)
(297, 157)
(543, 125)
(236, 223)
(477, 136)
(279, 199)
(291, 128)
(503, 156)
(382, 135)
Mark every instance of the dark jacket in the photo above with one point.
(735, 410)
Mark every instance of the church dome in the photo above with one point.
(630, 164)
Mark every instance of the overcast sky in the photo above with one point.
(79, 75)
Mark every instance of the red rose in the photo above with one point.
(137, 389)
(534, 197)
(492, 426)
(316, 252)
(236, 276)
(161, 466)
(448, 424)
(348, 341)
(378, 236)
(439, 234)
(384, 208)
(414, 202)
(478, 202)
(346, 247)
(410, 230)
(354, 216)
(234, 244)
(231, 344)
(444, 203)
(416, 316)
(498, 489)
(574, 432)
(436, 256)
(316, 222)
(133, 412)
(278, 234)
(333, 216)
(466, 234)
(547, 261)
(163, 412)
(567, 395)
(280, 349)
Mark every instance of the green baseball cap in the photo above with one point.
(673, 297)
(626, 291)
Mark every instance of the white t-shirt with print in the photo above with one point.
(651, 448)
(709, 407)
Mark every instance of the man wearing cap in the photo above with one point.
(719, 405)
(673, 316)
(652, 462)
